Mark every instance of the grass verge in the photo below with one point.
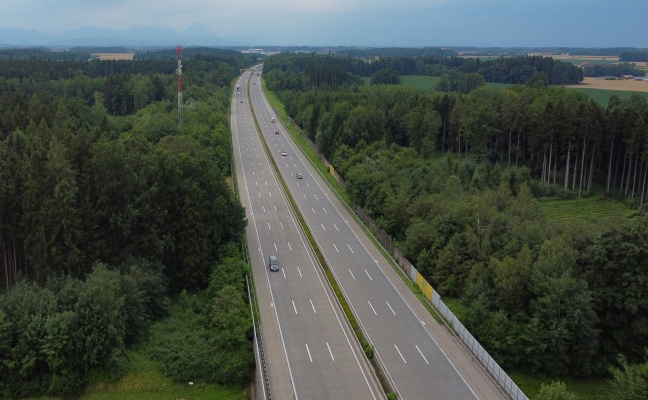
(584, 389)
(144, 381)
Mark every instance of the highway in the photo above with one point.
(420, 358)
(310, 350)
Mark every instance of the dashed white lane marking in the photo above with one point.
(419, 350)
(330, 352)
(400, 354)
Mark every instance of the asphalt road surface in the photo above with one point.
(311, 352)
(419, 357)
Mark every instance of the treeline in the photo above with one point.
(634, 56)
(302, 72)
(398, 52)
(541, 297)
(518, 70)
(596, 70)
(563, 137)
(105, 209)
(42, 69)
(76, 54)
(561, 300)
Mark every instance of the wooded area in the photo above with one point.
(108, 206)
(541, 297)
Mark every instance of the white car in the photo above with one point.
(284, 153)
(299, 175)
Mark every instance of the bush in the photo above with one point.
(67, 386)
(369, 351)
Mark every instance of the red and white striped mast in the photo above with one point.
(179, 72)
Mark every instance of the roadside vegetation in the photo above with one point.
(547, 295)
(120, 266)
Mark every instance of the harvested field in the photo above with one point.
(629, 85)
(113, 56)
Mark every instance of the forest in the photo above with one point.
(306, 71)
(110, 208)
(455, 179)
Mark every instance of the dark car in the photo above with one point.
(273, 263)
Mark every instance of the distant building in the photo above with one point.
(260, 51)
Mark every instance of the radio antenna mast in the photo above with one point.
(179, 72)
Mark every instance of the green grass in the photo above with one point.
(585, 389)
(603, 96)
(145, 381)
(422, 82)
(596, 210)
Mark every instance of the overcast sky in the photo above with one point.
(411, 23)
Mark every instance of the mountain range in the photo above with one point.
(196, 35)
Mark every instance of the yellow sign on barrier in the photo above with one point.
(426, 288)
(331, 169)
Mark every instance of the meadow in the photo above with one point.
(596, 209)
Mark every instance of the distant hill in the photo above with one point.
(195, 35)
(22, 37)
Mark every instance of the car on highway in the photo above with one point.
(299, 175)
(277, 132)
(272, 120)
(284, 153)
(273, 263)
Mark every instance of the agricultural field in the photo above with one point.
(599, 90)
(113, 56)
(629, 85)
(602, 96)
